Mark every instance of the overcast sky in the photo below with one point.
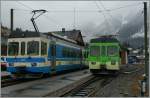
(87, 16)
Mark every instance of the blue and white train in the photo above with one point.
(30, 54)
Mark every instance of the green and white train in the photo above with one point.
(104, 55)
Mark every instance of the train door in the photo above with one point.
(53, 56)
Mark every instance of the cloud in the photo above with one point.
(94, 30)
(132, 26)
(140, 34)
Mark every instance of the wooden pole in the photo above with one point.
(11, 19)
(146, 48)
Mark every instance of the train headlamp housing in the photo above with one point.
(113, 62)
(93, 63)
(33, 64)
(11, 64)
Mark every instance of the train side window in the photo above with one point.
(68, 54)
(71, 52)
(64, 52)
(74, 52)
(112, 50)
(43, 48)
(78, 53)
(53, 50)
(22, 48)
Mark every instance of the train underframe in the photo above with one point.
(38, 72)
(104, 72)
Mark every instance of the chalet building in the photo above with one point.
(72, 34)
(5, 32)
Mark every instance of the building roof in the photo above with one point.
(72, 34)
(4, 35)
(5, 31)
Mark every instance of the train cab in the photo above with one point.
(27, 55)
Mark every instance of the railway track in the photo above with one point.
(90, 87)
(10, 82)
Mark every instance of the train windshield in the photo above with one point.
(33, 48)
(13, 48)
(112, 50)
(95, 51)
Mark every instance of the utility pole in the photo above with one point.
(146, 48)
(11, 19)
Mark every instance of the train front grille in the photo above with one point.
(102, 66)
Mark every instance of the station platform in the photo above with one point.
(54, 86)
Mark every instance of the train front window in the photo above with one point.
(95, 51)
(33, 48)
(13, 48)
(112, 50)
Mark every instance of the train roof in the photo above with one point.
(71, 34)
(25, 34)
(60, 37)
(31, 34)
(104, 40)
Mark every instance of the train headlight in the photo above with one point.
(93, 63)
(33, 64)
(11, 64)
(113, 62)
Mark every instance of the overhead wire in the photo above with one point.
(103, 16)
(107, 12)
(126, 6)
(90, 11)
(24, 5)
(18, 9)
(99, 11)
(50, 19)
